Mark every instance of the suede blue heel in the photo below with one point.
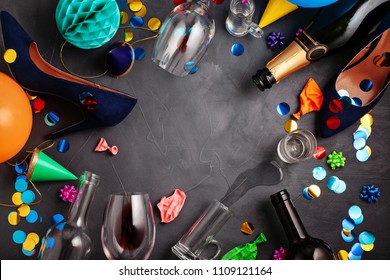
(101, 106)
(359, 86)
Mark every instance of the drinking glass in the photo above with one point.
(128, 231)
(298, 145)
(239, 21)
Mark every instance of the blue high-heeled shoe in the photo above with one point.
(359, 86)
(101, 106)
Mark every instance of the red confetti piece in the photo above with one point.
(335, 106)
(38, 105)
(333, 122)
(178, 2)
(319, 153)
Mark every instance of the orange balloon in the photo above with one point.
(15, 117)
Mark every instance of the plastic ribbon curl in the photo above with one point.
(103, 146)
(247, 251)
(311, 99)
(171, 206)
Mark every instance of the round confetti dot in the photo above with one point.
(352, 257)
(319, 173)
(139, 53)
(19, 236)
(13, 218)
(366, 238)
(10, 55)
(320, 153)
(283, 109)
(342, 255)
(333, 122)
(306, 195)
(63, 146)
(21, 167)
(367, 120)
(359, 143)
(141, 12)
(335, 106)
(28, 244)
(343, 92)
(38, 105)
(359, 220)
(346, 101)
(154, 24)
(347, 238)
(17, 198)
(354, 212)
(21, 185)
(136, 21)
(356, 101)
(357, 249)
(365, 128)
(34, 237)
(128, 35)
(29, 253)
(32, 217)
(290, 126)
(24, 210)
(366, 85)
(58, 220)
(28, 197)
(348, 224)
(333, 182)
(367, 247)
(360, 134)
(314, 191)
(237, 49)
(135, 6)
(52, 119)
(124, 17)
(363, 154)
(341, 188)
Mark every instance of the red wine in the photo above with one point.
(129, 235)
(301, 245)
(332, 29)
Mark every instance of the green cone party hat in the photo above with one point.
(44, 168)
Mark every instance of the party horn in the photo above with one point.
(277, 9)
(44, 168)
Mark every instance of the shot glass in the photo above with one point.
(297, 146)
(239, 21)
(202, 232)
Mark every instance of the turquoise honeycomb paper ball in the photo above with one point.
(87, 24)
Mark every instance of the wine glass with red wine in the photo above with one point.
(128, 231)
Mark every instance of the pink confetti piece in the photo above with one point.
(103, 146)
(171, 206)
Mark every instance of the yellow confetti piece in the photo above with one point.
(368, 149)
(24, 210)
(342, 255)
(128, 36)
(10, 56)
(28, 244)
(314, 191)
(124, 17)
(247, 228)
(154, 24)
(33, 236)
(13, 218)
(136, 6)
(367, 120)
(347, 232)
(367, 247)
(17, 198)
(141, 12)
(290, 126)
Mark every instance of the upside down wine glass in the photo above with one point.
(128, 231)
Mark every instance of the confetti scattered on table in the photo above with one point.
(237, 49)
(283, 108)
(319, 173)
(311, 192)
(319, 153)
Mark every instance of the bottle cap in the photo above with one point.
(280, 197)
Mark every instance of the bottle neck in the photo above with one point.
(79, 209)
(289, 217)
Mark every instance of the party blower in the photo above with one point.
(277, 9)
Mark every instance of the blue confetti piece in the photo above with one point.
(21, 167)
(346, 238)
(341, 187)
(306, 195)
(333, 182)
(32, 217)
(352, 257)
(29, 253)
(28, 197)
(354, 212)
(19, 236)
(366, 238)
(359, 220)
(319, 173)
(356, 101)
(348, 224)
(363, 154)
(136, 21)
(63, 146)
(357, 250)
(366, 85)
(283, 108)
(237, 49)
(360, 134)
(359, 143)
(21, 185)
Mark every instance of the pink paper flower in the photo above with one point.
(171, 206)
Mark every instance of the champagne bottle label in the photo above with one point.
(314, 50)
